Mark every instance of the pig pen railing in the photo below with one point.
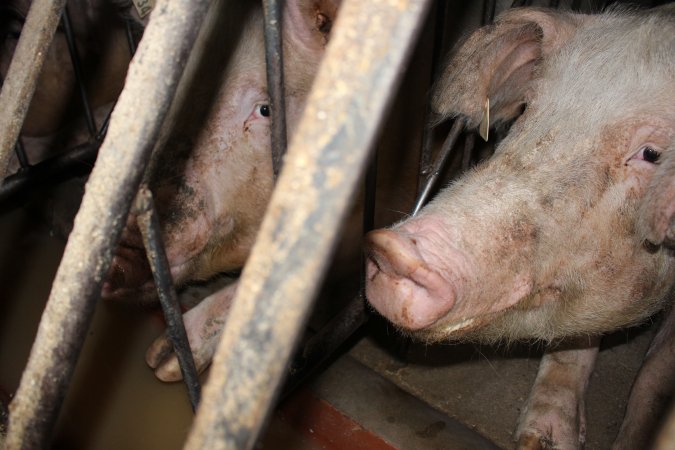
(328, 154)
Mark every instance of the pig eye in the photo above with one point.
(649, 154)
(263, 109)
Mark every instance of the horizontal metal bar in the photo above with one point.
(275, 80)
(148, 223)
(78, 161)
(440, 163)
(22, 76)
(151, 83)
(362, 66)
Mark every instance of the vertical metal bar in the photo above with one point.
(427, 132)
(362, 67)
(519, 3)
(151, 83)
(130, 37)
(441, 160)
(576, 5)
(489, 11)
(554, 4)
(148, 223)
(275, 80)
(469, 143)
(22, 75)
(77, 70)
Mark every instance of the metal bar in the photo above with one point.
(22, 75)
(151, 83)
(362, 67)
(554, 4)
(489, 11)
(75, 162)
(275, 80)
(576, 5)
(427, 132)
(77, 70)
(130, 37)
(441, 160)
(519, 3)
(148, 223)
(21, 154)
(469, 144)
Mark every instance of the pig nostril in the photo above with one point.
(650, 246)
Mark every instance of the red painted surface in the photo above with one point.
(327, 427)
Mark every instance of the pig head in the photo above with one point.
(542, 241)
(213, 180)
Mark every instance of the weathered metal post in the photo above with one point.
(151, 82)
(24, 70)
(363, 63)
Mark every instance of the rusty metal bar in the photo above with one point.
(24, 70)
(148, 223)
(362, 66)
(151, 83)
(77, 70)
(440, 163)
(275, 80)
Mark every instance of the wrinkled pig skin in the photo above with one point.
(214, 180)
(543, 241)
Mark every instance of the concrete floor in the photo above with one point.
(115, 401)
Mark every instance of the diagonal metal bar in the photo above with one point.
(151, 83)
(21, 155)
(439, 164)
(148, 222)
(77, 70)
(362, 66)
(275, 80)
(24, 70)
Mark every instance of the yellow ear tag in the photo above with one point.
(484, 128)
(144, 7)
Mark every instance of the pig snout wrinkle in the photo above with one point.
(410, 294)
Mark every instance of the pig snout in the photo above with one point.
(401, 284)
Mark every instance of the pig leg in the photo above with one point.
(652, 390)
(204, 324)
(554, 415)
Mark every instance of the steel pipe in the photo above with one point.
(275, 80)
(151, 82)
(362, 67)
(77, 70)
(24, 70)
(439, 164)
(148, 223)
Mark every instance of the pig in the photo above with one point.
(213, 179)
(542, 241)
(657, 212)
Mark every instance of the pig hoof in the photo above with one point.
(163, 360)
(533, 441)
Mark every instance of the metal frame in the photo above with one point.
(267, 315)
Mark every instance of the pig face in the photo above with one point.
(541, 241)
(214, 179)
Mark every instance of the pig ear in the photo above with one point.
(500, 62)
(309, 22)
